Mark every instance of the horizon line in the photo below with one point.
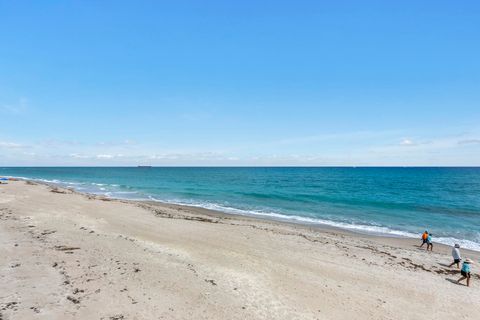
(245, 166)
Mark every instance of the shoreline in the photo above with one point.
(390, 238)
(398, 241)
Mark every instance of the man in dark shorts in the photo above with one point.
(424, 238)
(456, 256)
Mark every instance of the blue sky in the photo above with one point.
(240, 82)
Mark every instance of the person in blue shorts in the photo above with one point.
(466, 271)
(429, 242)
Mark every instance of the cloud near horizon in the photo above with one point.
(419, 152)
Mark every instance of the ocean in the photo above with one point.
(399, 202)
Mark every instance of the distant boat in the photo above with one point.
(144, 166)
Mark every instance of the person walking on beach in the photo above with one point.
(466, 271)
(456, 255)
(429, 242)
(424, 238)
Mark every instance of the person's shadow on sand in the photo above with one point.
(418, 247)
(455, 282)
(444, 265)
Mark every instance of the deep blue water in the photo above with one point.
(394, 201)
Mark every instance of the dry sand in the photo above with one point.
(66, 255)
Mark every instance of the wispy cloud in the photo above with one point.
(105, 156)
(170, 158)
(16, 108)
(99, 156)
(126, 142)
(421, 146)
(11, 145)
(407, 142)
(55, 142)
(469, 141)
(78, 156)
(58, 143)
(334, 137)
(198, 156)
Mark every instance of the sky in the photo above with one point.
(240, 83)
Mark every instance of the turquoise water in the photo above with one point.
(390, 201)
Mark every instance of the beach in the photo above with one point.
(67, 255)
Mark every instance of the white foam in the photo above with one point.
(126, 192)
(467, 244)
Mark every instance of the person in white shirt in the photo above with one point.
(456, 255)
